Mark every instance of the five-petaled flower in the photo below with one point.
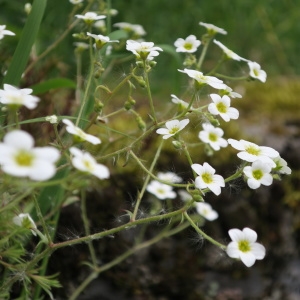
(80, 135)
(25, 221)
(256, 72)
(143, 50)
(101, 40)
(160, 190)
(4, 32)
(281, 166)
(188, 45)
(258, 173)
(173, 127)
(221, 106)
(212, 29)
(19, 158)
(213, 136)
(207, 178)
(85, 162)
(206, 211)
(204, 80)
(251, 152)
(14, 97)
(244, 246)
(228, 53)
(90, 17)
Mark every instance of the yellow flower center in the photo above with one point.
(222, 108)
(24, 158)
(188, 46)
(174, 130)
(257, 174)
(253, 150)
(207, 178)
(212, 137)
(88, 165)
(256, 72)
(244, 246)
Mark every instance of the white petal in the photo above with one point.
(232, 250)
(19, 139)
(258, 250)
(236, 235)
(101, 171)
(197, 168)
(250, 234)
(247, 258)
(42, 170)
(49, 154)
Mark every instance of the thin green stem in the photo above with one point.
(232, 78)
(203, 54)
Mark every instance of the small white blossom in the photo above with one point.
(25, 221)
(76, 131)
(101, 40)
(143, 50)
(212, 29)
(281, 166)
(160, 190)
(80, 46)
(15, 97)
(188, 45)
(52, 119)
(27, 8)
(206, 211)
(184, 195)
(169, 177)
(85, 162)
(100, 24)
(173, 127)
(207, 178)
(213, 136)
(203, 80)
(76, 1)
(136, 29)
(256, 72)
(90, 17)
(258, 174)
(221, 106)
(229, 92)
(4, 32)
(229, 54)
(251, 152)
(19, 158)
(244, 246)
(181, 103)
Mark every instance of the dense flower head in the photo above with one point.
(85, 162)
(25, 221)
(4, 32)
(101, 40)
(251, 152)
(207, 178)
(212, 29)
(15, 97)
(172, 128)
(256, 72)
(206, 211)
(160, 190)
(221, 106)
(281, 166)
(90, 17)
(143, 50)
(213, 136)
(258, 174)
(79, 134)
(136, 29)
(244, 246)
(169, 177)
(204, 80)
(229, 54)
(19, 158)
(188, 45)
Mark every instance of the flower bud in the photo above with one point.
(141, 123)
(177, 145)
(98, 106)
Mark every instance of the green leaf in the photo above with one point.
(118, 34)
(51, 84)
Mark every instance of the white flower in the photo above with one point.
(229, 54)
(80, 46)
(90, 17)
(15, 97)
(221, 106)
(228, 91)
(101, 24)
(203, 80)
(4, 32)
(206, 211)
(25, 221)
(76, 1)
(189, 45)
(160, 190)
(101, 40)
(173, 127)
(27, 8)
(143, 50)
(244, 246)
(19, 158)
(181, 104)
(257, 174)
(256, 71)
(169, 177)
(72, 129)
(251, 152)
(135, 28)
(207, 178)
(52, 119)
(213, 136)
(212, 29)
(281, 166)
(83, 161)
(184, 195)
